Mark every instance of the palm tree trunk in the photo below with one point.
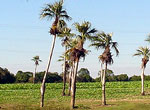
(64, 76)
(44, 79)
(70, 80)
(101, 72)
(142, 81)
(103, 86)
(34, 74)
(73, 85)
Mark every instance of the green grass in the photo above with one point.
(120, 96)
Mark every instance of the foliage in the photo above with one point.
(83, 71)
(109, 76)
(122, 77)
(51, 77)
(84, 78)
(23, 77)
(135, 78)
(6, 76)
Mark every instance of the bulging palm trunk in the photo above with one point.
(64, 76)
(34, 74)
(142, 81)
(103, 85)
(73, 85)
(44, 79)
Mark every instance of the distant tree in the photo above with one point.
(109, 75)
(51, 77)
(83, 71)
(135, 78)
(22, 77)
(36, 60)
(145, 53)
(84, 75)
(6, 76)
(122, 77)
(147, 78)
(84, 78)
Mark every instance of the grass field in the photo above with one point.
(120, 96)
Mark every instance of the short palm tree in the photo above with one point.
(145, 53)
(104, 41)
(56, 12)
(36, 60)
(66, 36)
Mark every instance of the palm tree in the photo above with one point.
(56, 12)
(77, 51)
(104, 41)
(75, 55)
(145, 52)
(148, 38)
(66, 35)
(36, 60)
(85, 32)
(66, 68)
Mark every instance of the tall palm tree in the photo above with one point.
(104, 41)
(66, 35)
(77, 51)
(56, 12)
(145, 53)
(36, 60)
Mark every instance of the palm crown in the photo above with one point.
(145, 52)
(57, 12)
(36, 59)
(148, 39)
(66, 35)
(85, 31)
(104, 41)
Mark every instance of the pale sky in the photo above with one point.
(23, 35)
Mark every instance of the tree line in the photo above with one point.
(83, 76)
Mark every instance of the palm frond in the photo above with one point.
(114, 45)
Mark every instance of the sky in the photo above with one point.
(24, 35)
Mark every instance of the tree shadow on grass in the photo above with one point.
(107, 105)
(81, 106)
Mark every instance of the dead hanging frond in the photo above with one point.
(75, 53)
(144, 62)
(106, 56)
(54, 29)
